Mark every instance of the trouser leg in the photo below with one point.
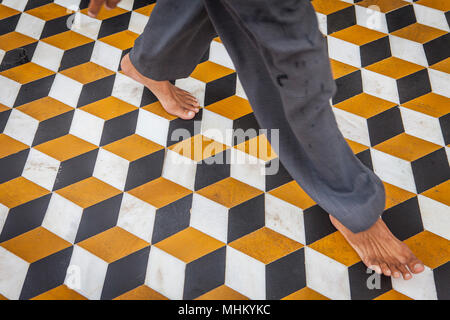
(281, 59)
(174, 40)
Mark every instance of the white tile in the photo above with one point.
(9, 89)
(218, 54)
(21, 127)
(15, 4)
(245, 274)
(421, 125)
(179, 169)
(420, 287)
(209, 217)
(48, 56)
(137, 217)
(92, 273)
(87, 126)
(326, 276)
(344, 51)
(152, 127)
(111, 169)
(194, 86)
(435, 216)
(285, 218)
(30, 25)
(137, 22)
(165, 274)
(66, 90)
(380, 86)
(127, 90)
(352, 126)
(431, 17)
(408, 50)
(371, 18)
(86, 25)
(440, 82)
(12, 276)
(63, 217)
(41, 169)
(106, 55)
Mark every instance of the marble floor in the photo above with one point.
(99, 200)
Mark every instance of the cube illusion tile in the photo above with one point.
(104, 195)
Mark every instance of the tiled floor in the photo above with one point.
(97, 201)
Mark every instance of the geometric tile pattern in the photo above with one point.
(103, 195)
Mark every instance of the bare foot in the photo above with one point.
(381, 251)
(174, 100)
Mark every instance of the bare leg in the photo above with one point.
(174, 100)
(381, 251)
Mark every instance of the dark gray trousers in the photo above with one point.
(282, 62)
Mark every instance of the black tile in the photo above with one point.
(190, 128)
(18, 56)
(348, 86)
(24, 217)
(413, 85)
(220, 89)
(46, 274)
(365, 284)
(34, 90)
(76, 56)
(115, 24)
(212, 169)
(438, 49)
(99, 217)
(366, 158)
(404, 219)
(317, 224)
(36, 3)
(286, 275)
(441, 279)
(204, 274)
(385, 125)
(375, 51)
(53, 128)
(4, 116)
(55, 26)
(172, 218)
(125, 274)
(96, 90)
(141, 3)
(400, 18)
(75, 169)
(119, 127)
(12, 166)
(9, 24)
(279, 178)
(245, 218)
(444, 121)
(145, 169)
(341, 19)
(431, 170)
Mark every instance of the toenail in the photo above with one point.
(417, 266)
(396, 274)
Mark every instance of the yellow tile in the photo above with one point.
(44, 108)
(407, 147)
(305, 294)
(198, 148)
(158, 109)
(65, 147)
(147, 10)
(87, 72)
(232, 108)
(337, 248)
(6, 12)
(365, 105)
(4, 108)
(327, 7)
(392, 295)
(442, 5)
(431, 104)
(222, 293)
(209, 71)
(61, 292)
(358, 35)
(265, 245)
(258, 147)
(27, 73)
(3, 297)
(35, 244)
(443, 66)
(189, 245)
(356, 147)
(9, 146)
(218, 39)
(122, 40)
(229, 192)
(430, 248)
(67, 40)
(384, 5)
(133, 147)
(106, 13)
(340, 69)
(440, 193)
(419, 33)
(113, 244)
(141, 293)
(292, 193)
(13, 40)
(160, 192)
(396, 195)
(394, 68)
(49, 11)
(88, 192)
(109, 108)
(19, 191)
